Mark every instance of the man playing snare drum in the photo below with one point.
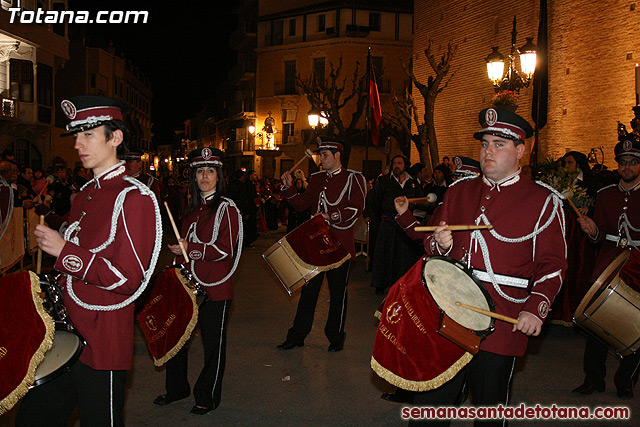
(107, 255)
(521, 261)
(616, 225)
(338, 195)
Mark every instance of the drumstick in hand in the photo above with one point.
(307, 154)
(39, 262)
(175, 230)
(575, 209)
(455, 227)
(489, 313)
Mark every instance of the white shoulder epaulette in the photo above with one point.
(608, 186)
(466, 178)
(550, 188)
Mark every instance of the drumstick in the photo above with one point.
(46, 184)
(307, 154)
(489, 313)
(455, 227)
(575, 209)
(175, 230)
(429, 199)
(39, 262)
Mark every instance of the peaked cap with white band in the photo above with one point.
(205, 156)
(89, 111)
(503, 123)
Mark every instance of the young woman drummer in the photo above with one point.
(212, 231)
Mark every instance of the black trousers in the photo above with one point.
(334, 329)
(395, 254)
(488, 378)
(207, 391)
(98, 394)
(595, 357)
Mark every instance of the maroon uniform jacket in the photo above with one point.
(149, 181)
(112, 244)
(526, 244)
(213, 246)
(617, 216)
(339, 194)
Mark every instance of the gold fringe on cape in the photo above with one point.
(8, 402)
(436, 382)
(192, 324)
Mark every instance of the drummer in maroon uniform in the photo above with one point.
(521, 262)
(338, 195)
(212, 231)
(616, 224)
(107, 255)
(135, 167)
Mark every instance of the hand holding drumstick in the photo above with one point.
(526, 323)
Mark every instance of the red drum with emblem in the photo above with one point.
(304, 253)
(414, 349)
(611, 309)
(168, 314)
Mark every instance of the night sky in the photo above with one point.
(183, 50)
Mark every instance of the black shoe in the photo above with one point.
(625, 393)
(336, 347)
(288, 345)
(200, 410)
(163, 399)
(398, 397)
(587, 388)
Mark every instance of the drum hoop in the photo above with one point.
(65, 366)
(597, 287)
(483, 333)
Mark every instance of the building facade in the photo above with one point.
(31, 55)
(301, 39)
(592, 48)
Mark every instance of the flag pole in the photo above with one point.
(366, 119)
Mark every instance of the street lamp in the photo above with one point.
(513, 80)
(317, 118)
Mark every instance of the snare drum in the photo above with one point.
(67, 342)
(304, 253)
(449, 281)
(611, 309)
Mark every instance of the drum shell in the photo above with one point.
(609, 301)
(291, 273)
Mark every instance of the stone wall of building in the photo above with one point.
(593, 50)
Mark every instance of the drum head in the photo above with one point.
(66, 349)
(448, 283)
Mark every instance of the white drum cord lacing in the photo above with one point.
(192, 236)
(117, 211)
(477, 238)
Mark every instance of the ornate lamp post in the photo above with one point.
(512, 79)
